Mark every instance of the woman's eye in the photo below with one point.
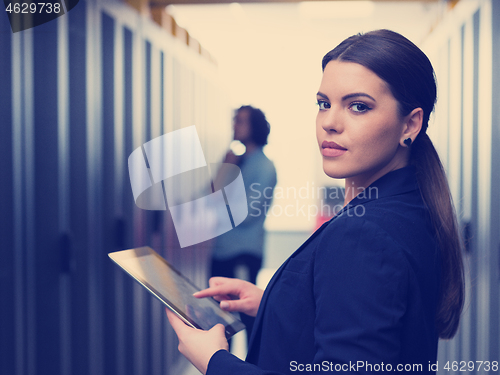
(359, 107)
(323, 105)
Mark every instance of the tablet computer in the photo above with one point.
(173, 289)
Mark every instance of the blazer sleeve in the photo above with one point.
(224, 363)
(361, 279)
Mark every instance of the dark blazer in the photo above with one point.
(359, 294)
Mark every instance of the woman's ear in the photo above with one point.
(412, 126)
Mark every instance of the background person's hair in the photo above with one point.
(410, 76)
(258, 123)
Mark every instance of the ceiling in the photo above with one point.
(222, 24)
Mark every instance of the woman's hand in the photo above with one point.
(196, 345)
(233, 294)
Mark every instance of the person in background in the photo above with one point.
(242, 247)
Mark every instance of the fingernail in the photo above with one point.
(224, 305)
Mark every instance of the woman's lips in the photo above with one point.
(332, 149)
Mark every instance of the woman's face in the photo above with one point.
(358, 125)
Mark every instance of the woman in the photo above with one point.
(373, 289)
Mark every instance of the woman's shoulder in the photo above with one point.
(353, 229)
(358, 253)
(397, 228)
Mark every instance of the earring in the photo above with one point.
(407, 142)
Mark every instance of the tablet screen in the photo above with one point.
(174, 290)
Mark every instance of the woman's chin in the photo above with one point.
(333, 173)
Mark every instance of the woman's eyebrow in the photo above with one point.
(322, 95)
(356, 94)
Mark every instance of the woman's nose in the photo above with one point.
(331, 121)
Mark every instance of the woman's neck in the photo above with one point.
(351, 190)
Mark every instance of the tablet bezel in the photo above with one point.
(230, 327)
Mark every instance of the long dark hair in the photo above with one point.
(410, 76)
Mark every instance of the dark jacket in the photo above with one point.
(359, 294)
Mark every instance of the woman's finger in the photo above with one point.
(220, 290)
(177, 324)
(234, 305)
(218, 280)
